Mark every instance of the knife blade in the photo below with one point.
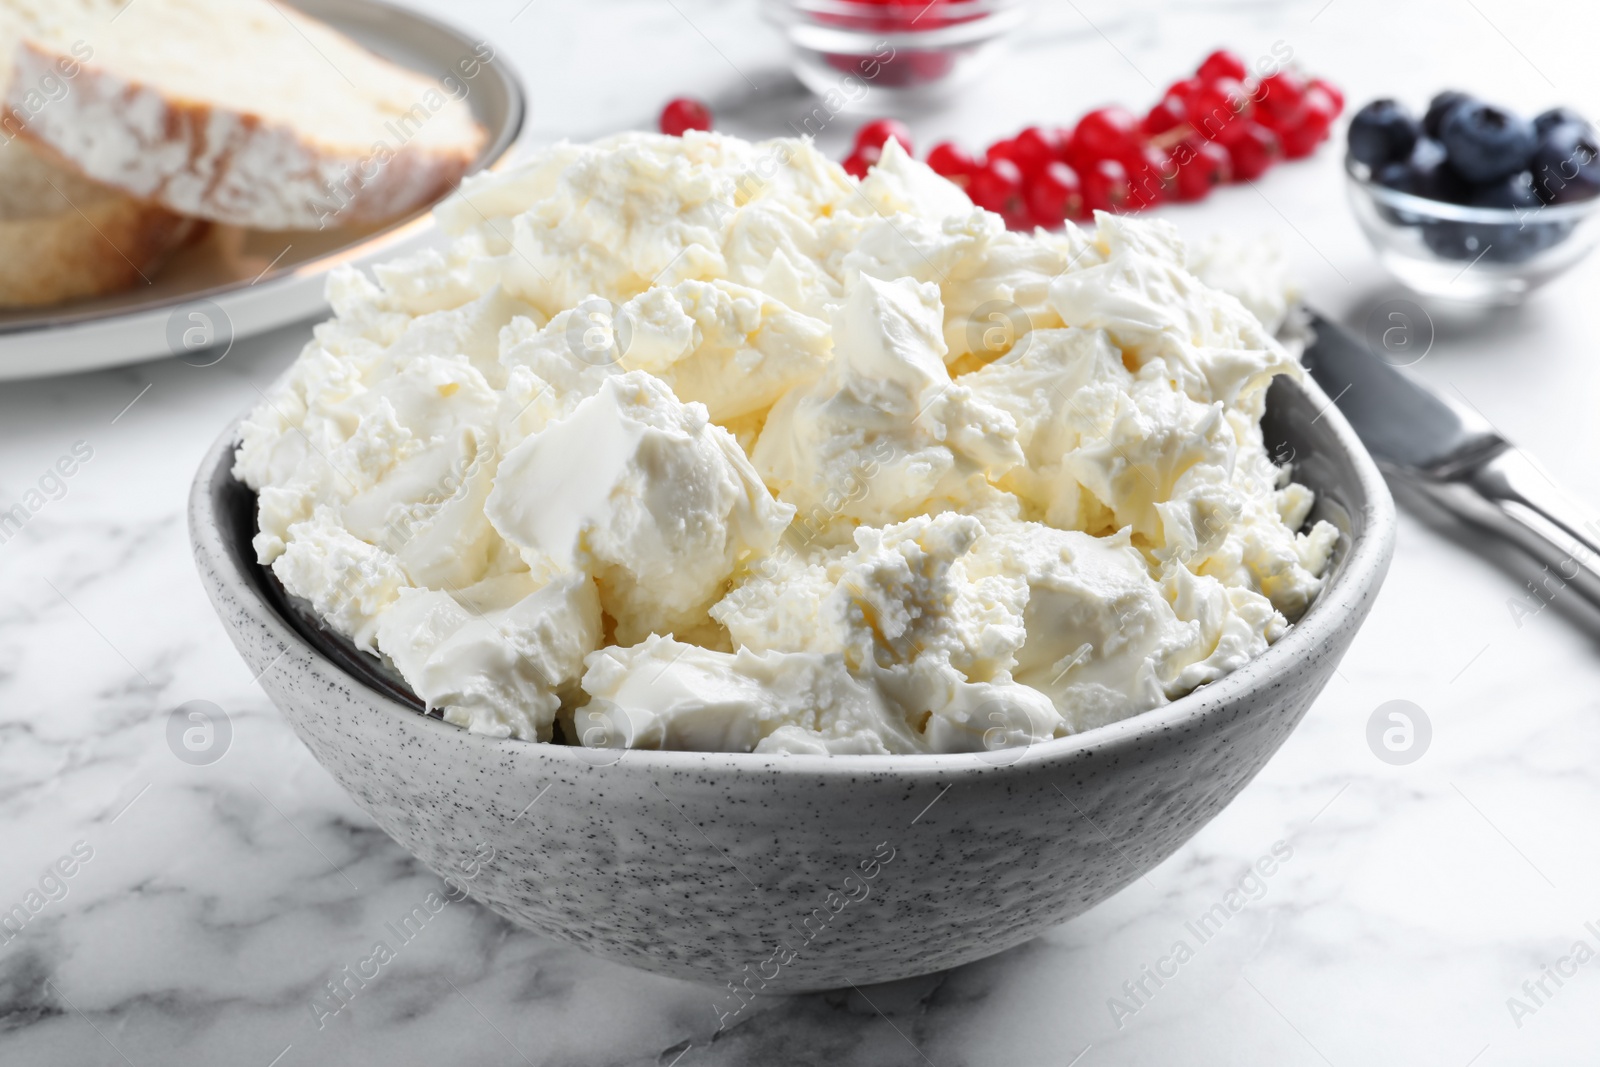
(1450, 453)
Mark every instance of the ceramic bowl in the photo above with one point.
(794, 873)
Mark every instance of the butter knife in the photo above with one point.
(1453, 456)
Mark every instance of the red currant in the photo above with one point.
(684, 114)
(1278, 97)
(857, 163)
(1280, 124)
(874, 134)
(1219, 109)
(1253, 151)
(1005, 148)
(1036, 148)
(1300, 140)
(1063, 139)
(1333, 93)
(1184, 89)
(998, 187)
(1105, 186)
(1302, 131)
(954, 162)
(1202, 164)
(1055, 195)
(1151, 175)
(1222, 64)
(1321, 109)
(1169, 114)
(1106, 133)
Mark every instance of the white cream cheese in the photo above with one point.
(642, 493)
(696, 443)
(885, 434)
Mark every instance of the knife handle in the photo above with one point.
(1510, 495)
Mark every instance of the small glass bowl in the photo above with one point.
(898, 53)
(1477, 255)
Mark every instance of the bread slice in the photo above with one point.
(239, 111)
(65, 237)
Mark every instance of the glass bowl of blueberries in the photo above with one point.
(1474, 203)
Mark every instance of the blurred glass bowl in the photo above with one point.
(901, 52)
(1475, 255)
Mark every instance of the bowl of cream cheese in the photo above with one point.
(852, 587)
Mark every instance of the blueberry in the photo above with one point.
(1517, 241)
(1439, 107)
(1566, 165)
(1486, 143)
(1397, 176)
(1518, 244)
(1557, 116)
(1489, 242)
(1453, 240)
(1382, 132)
(1513, 192)
(1433, 177)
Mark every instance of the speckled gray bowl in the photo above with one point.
(784, 874)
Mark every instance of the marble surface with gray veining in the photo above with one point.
(1411, 910)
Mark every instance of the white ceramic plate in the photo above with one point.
(236, 282)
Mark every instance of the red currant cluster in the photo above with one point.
(1222, 125)
(1219, 126)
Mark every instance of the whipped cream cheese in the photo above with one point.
(698, 443)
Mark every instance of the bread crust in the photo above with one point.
(89, 249)
(224, 165)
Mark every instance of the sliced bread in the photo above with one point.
(239, 111)
(65, 237)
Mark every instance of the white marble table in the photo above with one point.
(217, 899)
